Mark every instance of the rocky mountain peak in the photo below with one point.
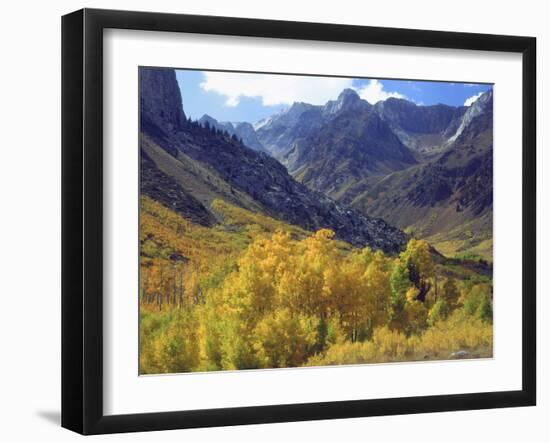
(347, 100)
(160, 100)
(243, 130)
(484, 101)
(208, 119)
(483, 105)
(244, 127)
(348, 94)
(297, 109)
(393, 107)
(285, 118)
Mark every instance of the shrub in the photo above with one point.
(438, 312)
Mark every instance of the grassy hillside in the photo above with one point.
(254, 292)
(197, 178)
(472, 239)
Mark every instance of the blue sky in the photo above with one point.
(229, 96)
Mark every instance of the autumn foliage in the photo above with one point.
(253, 292)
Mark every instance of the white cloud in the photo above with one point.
(472, 99)
(273, 89)
(374, 92)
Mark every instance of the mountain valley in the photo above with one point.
(346, 232)
(347, 165)
(426, 169)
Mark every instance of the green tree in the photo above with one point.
(420, 266)
(438, 312)
(399, 283)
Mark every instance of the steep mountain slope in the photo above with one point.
(349, 147)
(242, 130)
(483, 105)
(197, 180)
(449, 197)
(331, 147)
(165, 189)
(206, 164)
(278, 131)
(160, 110)
(421, 128)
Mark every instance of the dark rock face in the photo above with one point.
(268, 183)
(160, 100)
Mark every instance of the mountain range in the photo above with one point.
(448, 196)
(331, 146)
(186, 165)
(346, 165)
(425, 168)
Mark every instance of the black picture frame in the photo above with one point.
(82, 216)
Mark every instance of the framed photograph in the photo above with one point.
(269, 221)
